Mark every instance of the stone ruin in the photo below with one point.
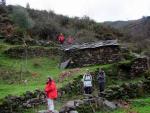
(139, 65)
(86, 54)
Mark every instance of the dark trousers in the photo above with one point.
(101, 86)
(88, 90)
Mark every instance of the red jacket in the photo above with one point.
(51, 90)
(61, 38)
(70, 40)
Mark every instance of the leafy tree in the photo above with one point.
(21, 18)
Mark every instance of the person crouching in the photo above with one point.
(51, 93)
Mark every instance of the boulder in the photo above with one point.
(73, 111)
(46, 111)
(109, 105)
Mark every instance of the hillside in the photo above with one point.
(44, 25)
(137, 31)
(27, 60)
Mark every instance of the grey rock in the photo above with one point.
(73, 111)
(109, 105)
(43, 111)
(46, 111)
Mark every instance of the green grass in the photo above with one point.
(43, 67)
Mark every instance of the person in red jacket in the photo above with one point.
(61, 38)
(70, 40)
(51, 93)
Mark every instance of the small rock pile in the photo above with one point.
(89, 104)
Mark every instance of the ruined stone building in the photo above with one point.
(101, 52)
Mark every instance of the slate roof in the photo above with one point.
(92, 45)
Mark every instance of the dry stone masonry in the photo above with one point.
(21, 52)
(139, 65)
(102, 52)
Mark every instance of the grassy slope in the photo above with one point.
(44, 67)
(49, 66)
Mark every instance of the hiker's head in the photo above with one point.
(49, 79)
(87, 71)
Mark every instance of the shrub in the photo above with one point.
(21, 18)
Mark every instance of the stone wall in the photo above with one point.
(128, 90)
(20, 51)
(16, 104)
(139, 65)
(91, 56)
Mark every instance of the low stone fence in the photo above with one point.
(21, 52)
(15, 104)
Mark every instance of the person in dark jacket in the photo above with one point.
(101, 80)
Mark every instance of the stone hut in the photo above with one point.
(86, 54)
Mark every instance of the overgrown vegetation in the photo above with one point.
(47, 25)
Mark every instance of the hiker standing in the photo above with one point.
(70, 40)
(87, 82)
(51, 93)
(61, 38)
(101, 80)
